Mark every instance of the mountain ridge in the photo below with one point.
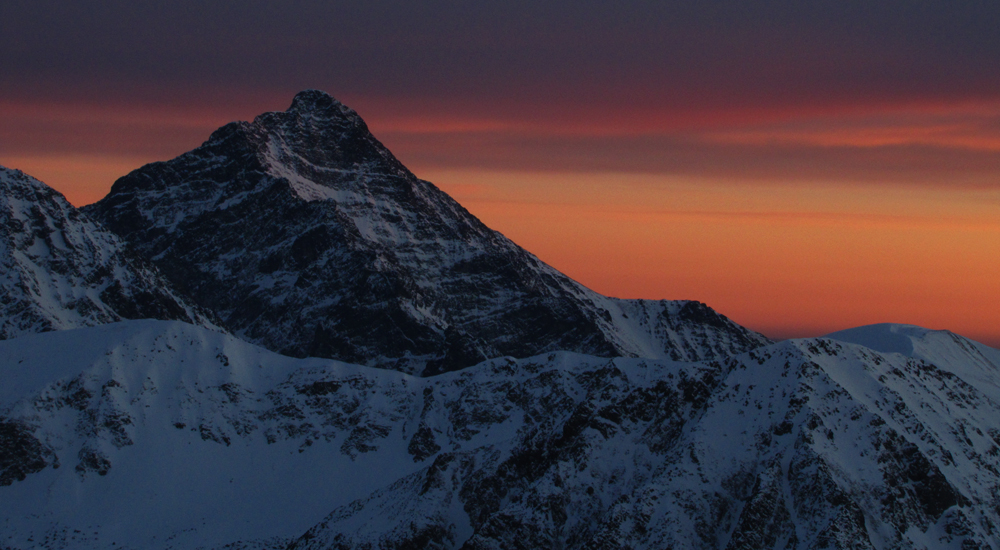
(467, 427)
(874, 450)
(304, 234)
(62, 270)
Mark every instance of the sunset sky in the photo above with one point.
(802, 167)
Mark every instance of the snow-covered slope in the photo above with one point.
(60, 270)
(804, 444)
(150, 434)
(305, 235)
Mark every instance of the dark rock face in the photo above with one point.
(92, 461)
(305, 235)
(423, 445)
(21, 453)
(61, 270)
(751, 453)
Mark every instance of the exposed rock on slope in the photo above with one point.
(803, 444)
(305, 235)
(60, 270)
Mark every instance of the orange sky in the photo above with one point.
(785, 260)
(792, 224)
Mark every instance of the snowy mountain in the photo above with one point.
(60, 270)
(152, 434)
(544, 415)
(305, 235)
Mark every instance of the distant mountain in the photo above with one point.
(304, 234)
(61, 270)
(151, 434)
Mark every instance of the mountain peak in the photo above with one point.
(313, 99)
(9, 174)
(15, 184)
(319, 130)
(317, 103)
(306, 235)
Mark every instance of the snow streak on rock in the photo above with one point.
(164, 435)
(60, 270)
(305, 235)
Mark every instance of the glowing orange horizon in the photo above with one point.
(806, 272)
(791, 255)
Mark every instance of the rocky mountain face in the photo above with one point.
(164, 435)
(61, 270)
(544, 415)
(305, 235)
